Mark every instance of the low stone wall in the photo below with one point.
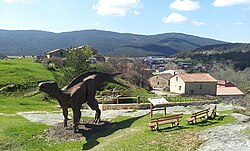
(194, 103)
(124, 106)
(147, 105)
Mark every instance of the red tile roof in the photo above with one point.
(228, 91)
(197, 77)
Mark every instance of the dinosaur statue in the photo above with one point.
(80, 90)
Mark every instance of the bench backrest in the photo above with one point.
(164, 118)
(205, 111)
(213, 110)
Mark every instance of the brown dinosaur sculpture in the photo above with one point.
(80, 90)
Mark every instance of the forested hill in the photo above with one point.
(30, 42)
(239, 53)
(224, 48)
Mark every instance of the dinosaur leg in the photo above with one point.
(93, 104)
(77, 116)
(65, 114)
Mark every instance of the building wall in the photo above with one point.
(59, 53)
(201, 88)
(177, 85)
(158, 82)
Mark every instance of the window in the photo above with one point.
(176, 78)
(180, 88)
(200, 86)
(158, 83)
(61, 53)
(191, 92)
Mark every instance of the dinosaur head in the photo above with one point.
(48, 87)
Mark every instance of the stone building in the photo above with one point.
(193, 84)
(160, 81)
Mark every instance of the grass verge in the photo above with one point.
(127, 133)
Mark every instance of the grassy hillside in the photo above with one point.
(19, 79)
(108, 43)
(22, 72)
(18, 86)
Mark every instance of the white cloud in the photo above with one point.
(184, 5)
(239, 23)
(116, 7)
(97, 24)
(227, 3)
(136, 13)
(20, 1)
(174, 18)
(198, 23)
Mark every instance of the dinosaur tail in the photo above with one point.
(102, 77)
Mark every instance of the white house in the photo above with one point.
(193, 84)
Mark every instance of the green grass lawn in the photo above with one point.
(12, 105)
(127, 133)
(23, 72)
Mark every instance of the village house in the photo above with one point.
(94, 51)
(193, 84)
(160, 81)
(97, 58)
(57, 53)
(225, 89)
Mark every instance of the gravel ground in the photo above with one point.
(52, 118)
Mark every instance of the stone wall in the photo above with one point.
(147, 105)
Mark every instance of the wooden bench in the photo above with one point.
(212, 112)
(172, 119)
(203, 114)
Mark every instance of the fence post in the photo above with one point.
(138, 99)
(117, 99)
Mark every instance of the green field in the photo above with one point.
(23, 72)
(126, 133)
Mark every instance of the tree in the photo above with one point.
(76, 63)
(134, 71)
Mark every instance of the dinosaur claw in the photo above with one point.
(97, 121)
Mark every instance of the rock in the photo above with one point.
(241, 118)
(225, 137)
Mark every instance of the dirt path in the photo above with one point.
(52, 118)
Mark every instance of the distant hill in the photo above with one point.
(31, 42)
(239, 53)
(224, 48)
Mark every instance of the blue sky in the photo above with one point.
(227, 20)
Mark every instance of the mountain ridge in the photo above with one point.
(36, 42)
